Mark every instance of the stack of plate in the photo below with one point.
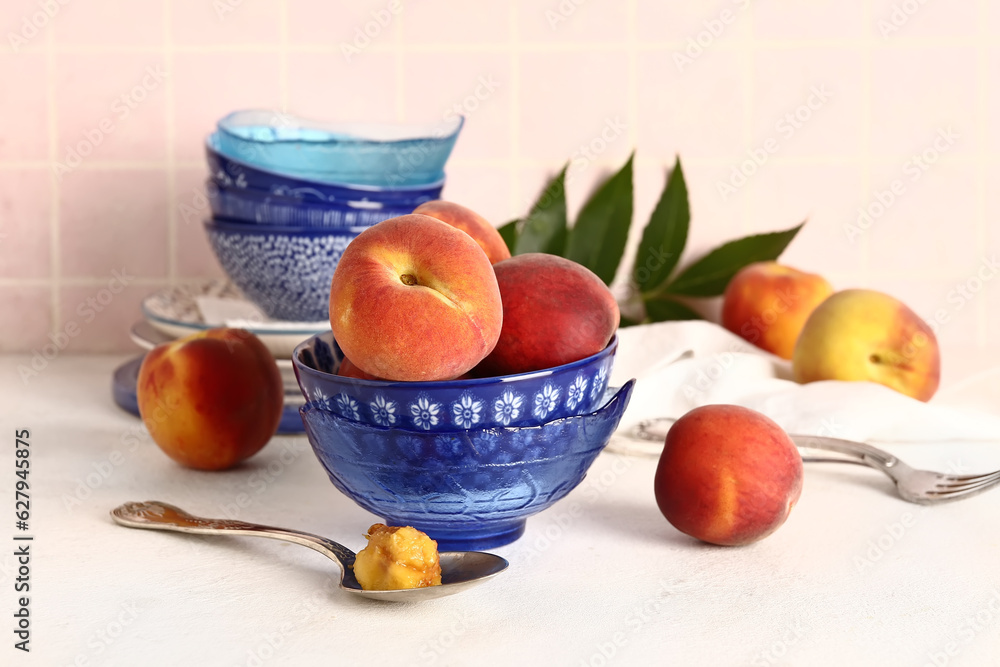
(179, 311)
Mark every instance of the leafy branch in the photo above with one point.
(597, 240)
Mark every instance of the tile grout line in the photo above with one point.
(749, 75)
(982, 65)
(55, 258)
(283, 54)
(513, 174)
(171, 133)
(397, 33)
(866, 139)
(633, 74)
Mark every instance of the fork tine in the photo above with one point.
(988, 482)
(970, 482)
(968, 478)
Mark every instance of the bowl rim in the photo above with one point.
(246, 227)
(612, 395)
(608, 350)
(226, 124)
(307, 183)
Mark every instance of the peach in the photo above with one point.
(727, 475)
(555, 311)
(861, 334)
(413, 298)
(348, 369)
(212, 399)
(768, 304)
(471, 223)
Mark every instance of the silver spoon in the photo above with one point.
(459, 569)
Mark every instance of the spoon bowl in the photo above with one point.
(459, 569)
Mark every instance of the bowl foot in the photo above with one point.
(477, 538)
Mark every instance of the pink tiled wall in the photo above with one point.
(896, 73)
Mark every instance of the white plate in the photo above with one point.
(146, 336)
(174, 312)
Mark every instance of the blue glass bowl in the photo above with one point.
(285, 271)
(232, 173)
(469, 490)
(262, 208)
(526, 399)
(387, 154)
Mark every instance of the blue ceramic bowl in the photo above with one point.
(387, 155)
(261, 207)
(232, 173)
(527, 399)
(285, 271)
(469, 490)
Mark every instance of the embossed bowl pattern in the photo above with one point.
(467, 489)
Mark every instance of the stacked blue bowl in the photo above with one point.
(287, 195)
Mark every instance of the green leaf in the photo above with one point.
(665, 236)
(508, 233)
(544, 229)
(627, 322)
(598, 238)
(660, 309)
(710, 274)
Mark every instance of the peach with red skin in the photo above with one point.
(349, 369)
(415, 299)
(212, 399)
(861, 334)
(767, 304)
(470, 222)
(727, 475)
(555, 311)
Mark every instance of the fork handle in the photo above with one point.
(856, 451)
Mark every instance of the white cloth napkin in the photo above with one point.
(726, 369)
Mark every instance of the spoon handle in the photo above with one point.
(156, 515)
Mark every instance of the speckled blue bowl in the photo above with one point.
(285, 271)
(526, 399)
(469, 489)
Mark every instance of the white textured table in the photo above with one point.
(856, 576)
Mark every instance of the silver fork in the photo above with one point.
(916, 486)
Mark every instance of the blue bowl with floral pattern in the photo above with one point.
(525, 399)
(468, 489)
(285, 271)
